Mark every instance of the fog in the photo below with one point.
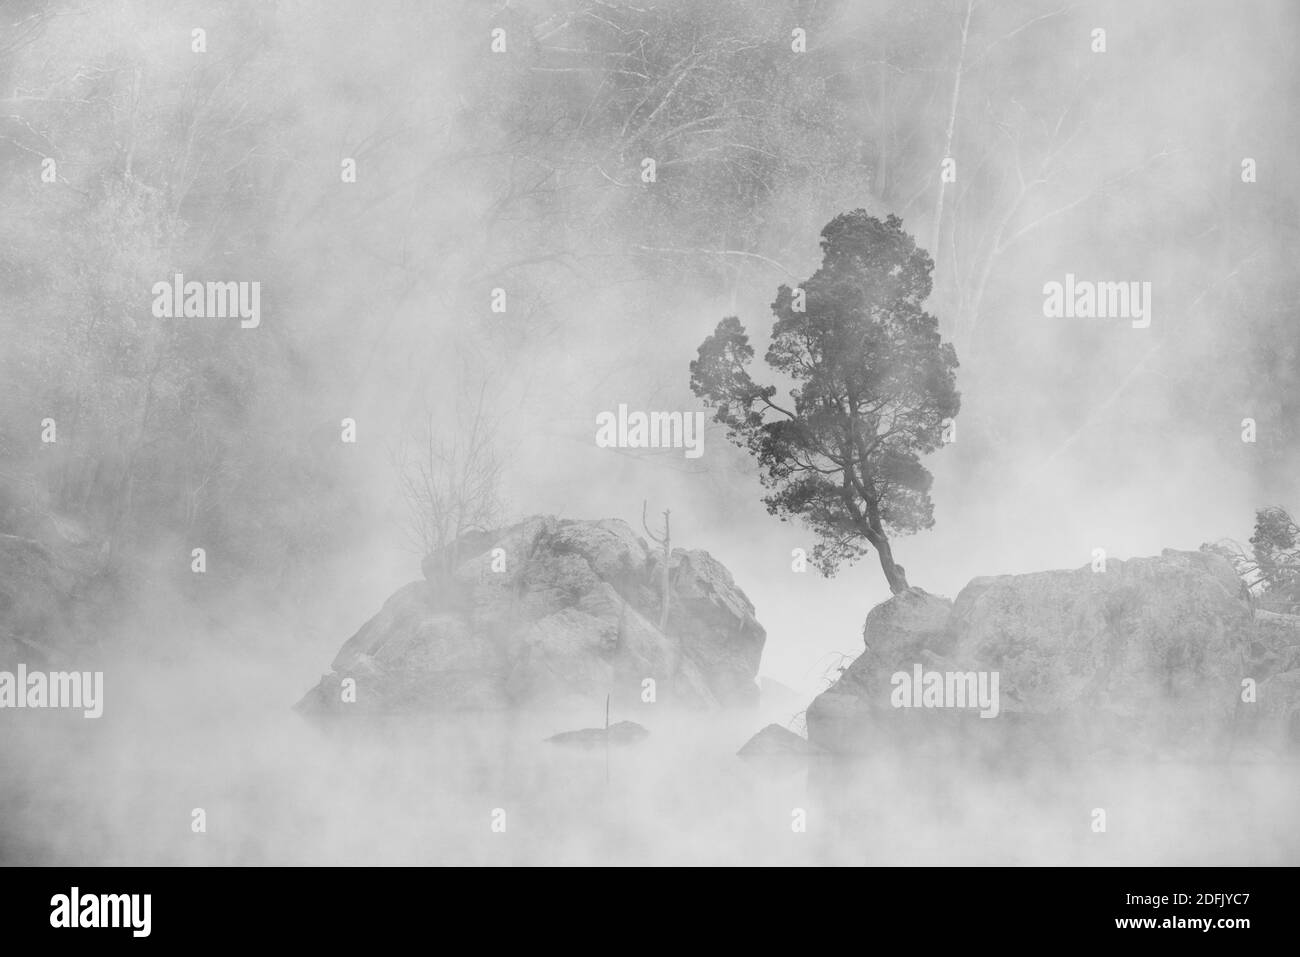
(521, 171)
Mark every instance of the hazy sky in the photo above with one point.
(1074, 434)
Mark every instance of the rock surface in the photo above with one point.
(1146, 656)
(899, 632)
(619, 734)
(776, 741)
(551, 613)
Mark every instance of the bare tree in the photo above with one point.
(450, 479)
(665, 543)
(1243, 563)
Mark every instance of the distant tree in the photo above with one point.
(873, 386)
(450, 478)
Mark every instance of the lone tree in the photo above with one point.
(873, 389)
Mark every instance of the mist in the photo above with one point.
(452, 230)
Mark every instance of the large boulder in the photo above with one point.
(413, 655)
(1147, 655)
(714, 622)
(551, 613)
(908, 628)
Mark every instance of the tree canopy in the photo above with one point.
(874, 388)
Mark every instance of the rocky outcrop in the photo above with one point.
(1148, 655)
(908, 628)
(551, 613)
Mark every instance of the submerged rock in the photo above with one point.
(776, 741)
(619, 734)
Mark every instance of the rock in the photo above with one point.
(1151, 649)
(610, 548)
(555, 614)
(1217, 565)
(413, 656)
(1276, 647)
(619, 734)
(564, 656)
(777, 751)
(1145, 656)
(898, 633)
(777, 741)
(715, 623)
(1272, 722)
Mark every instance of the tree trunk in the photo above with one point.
(894, 573)
(873, 530)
